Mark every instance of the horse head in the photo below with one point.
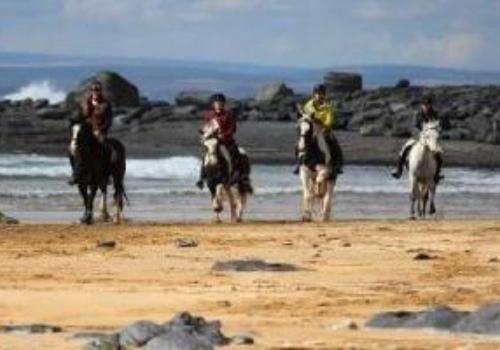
(210, 142)
(430, 134)
(305, 127)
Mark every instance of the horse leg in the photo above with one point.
(119, 191)
(425, 200)
(87, 216)
(326, 205)
(104, 205)
(308, 196)
(232, 203)
(217, 201)
(90, 203)
(432, 192)
(413, 196)
(241, 198)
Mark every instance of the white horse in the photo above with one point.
(218, 169)
(422, 169)
(316, 175)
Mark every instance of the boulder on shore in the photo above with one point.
(119, 90)
(273, 92)
(343, 82)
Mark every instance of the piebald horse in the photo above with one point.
(98, 164)
(218, 176)
(422, 169)
(316, 169)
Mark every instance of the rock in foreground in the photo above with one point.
(249, 265)
(183, 332)
(485, 320)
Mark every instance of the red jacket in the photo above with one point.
(226, 122)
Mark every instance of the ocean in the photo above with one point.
(33, 188)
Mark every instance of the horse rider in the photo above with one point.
(322, 113)
(96, 112)
(223, 121)
(425, 114)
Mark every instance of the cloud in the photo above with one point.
(451, 49)
(390, 10)
(96, 9)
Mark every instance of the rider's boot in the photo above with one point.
(401, 163)
(439, 163)
(201, 181)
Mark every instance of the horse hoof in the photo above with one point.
(117, 220)
(105, 218)
(412, 218)
(306, 218)
(87, 220)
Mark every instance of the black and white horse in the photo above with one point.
(316, 170)
(219, 176)
(99, 162)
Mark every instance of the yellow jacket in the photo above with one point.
(323, 114)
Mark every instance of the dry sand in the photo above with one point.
(351, 270)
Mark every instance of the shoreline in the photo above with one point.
(266, 142)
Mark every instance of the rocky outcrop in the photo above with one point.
(119, 90)
(470, 113)
(343, 82)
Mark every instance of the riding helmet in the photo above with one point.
(218, 98)
(319, 89)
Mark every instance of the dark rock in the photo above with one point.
(377, 128)
(186, 332)
(42, 103)
(199, 98)
(35, 328)
(343, 82)
(480, 126)
(366, 117)
(139, 333)
(423, 256)
(186, 243)
(273, 92)
(242, 339)
(156, 114)
(457, 134)
(403, 84)
(106, 243)
(440, 317)
(127, 116)
(185, 112)
(104, 342)
(119, 90)
(485, 320)
(4, 219)
(52, 113)
(249, 265)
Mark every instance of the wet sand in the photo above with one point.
(350, 270)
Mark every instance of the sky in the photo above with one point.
(305, 33)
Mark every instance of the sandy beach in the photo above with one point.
(349, 270)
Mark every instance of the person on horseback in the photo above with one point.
(96, 112)
(425, 114)
(322, 113)
(225, 124)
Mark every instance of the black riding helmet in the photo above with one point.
(319, 89)
(218, 98)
